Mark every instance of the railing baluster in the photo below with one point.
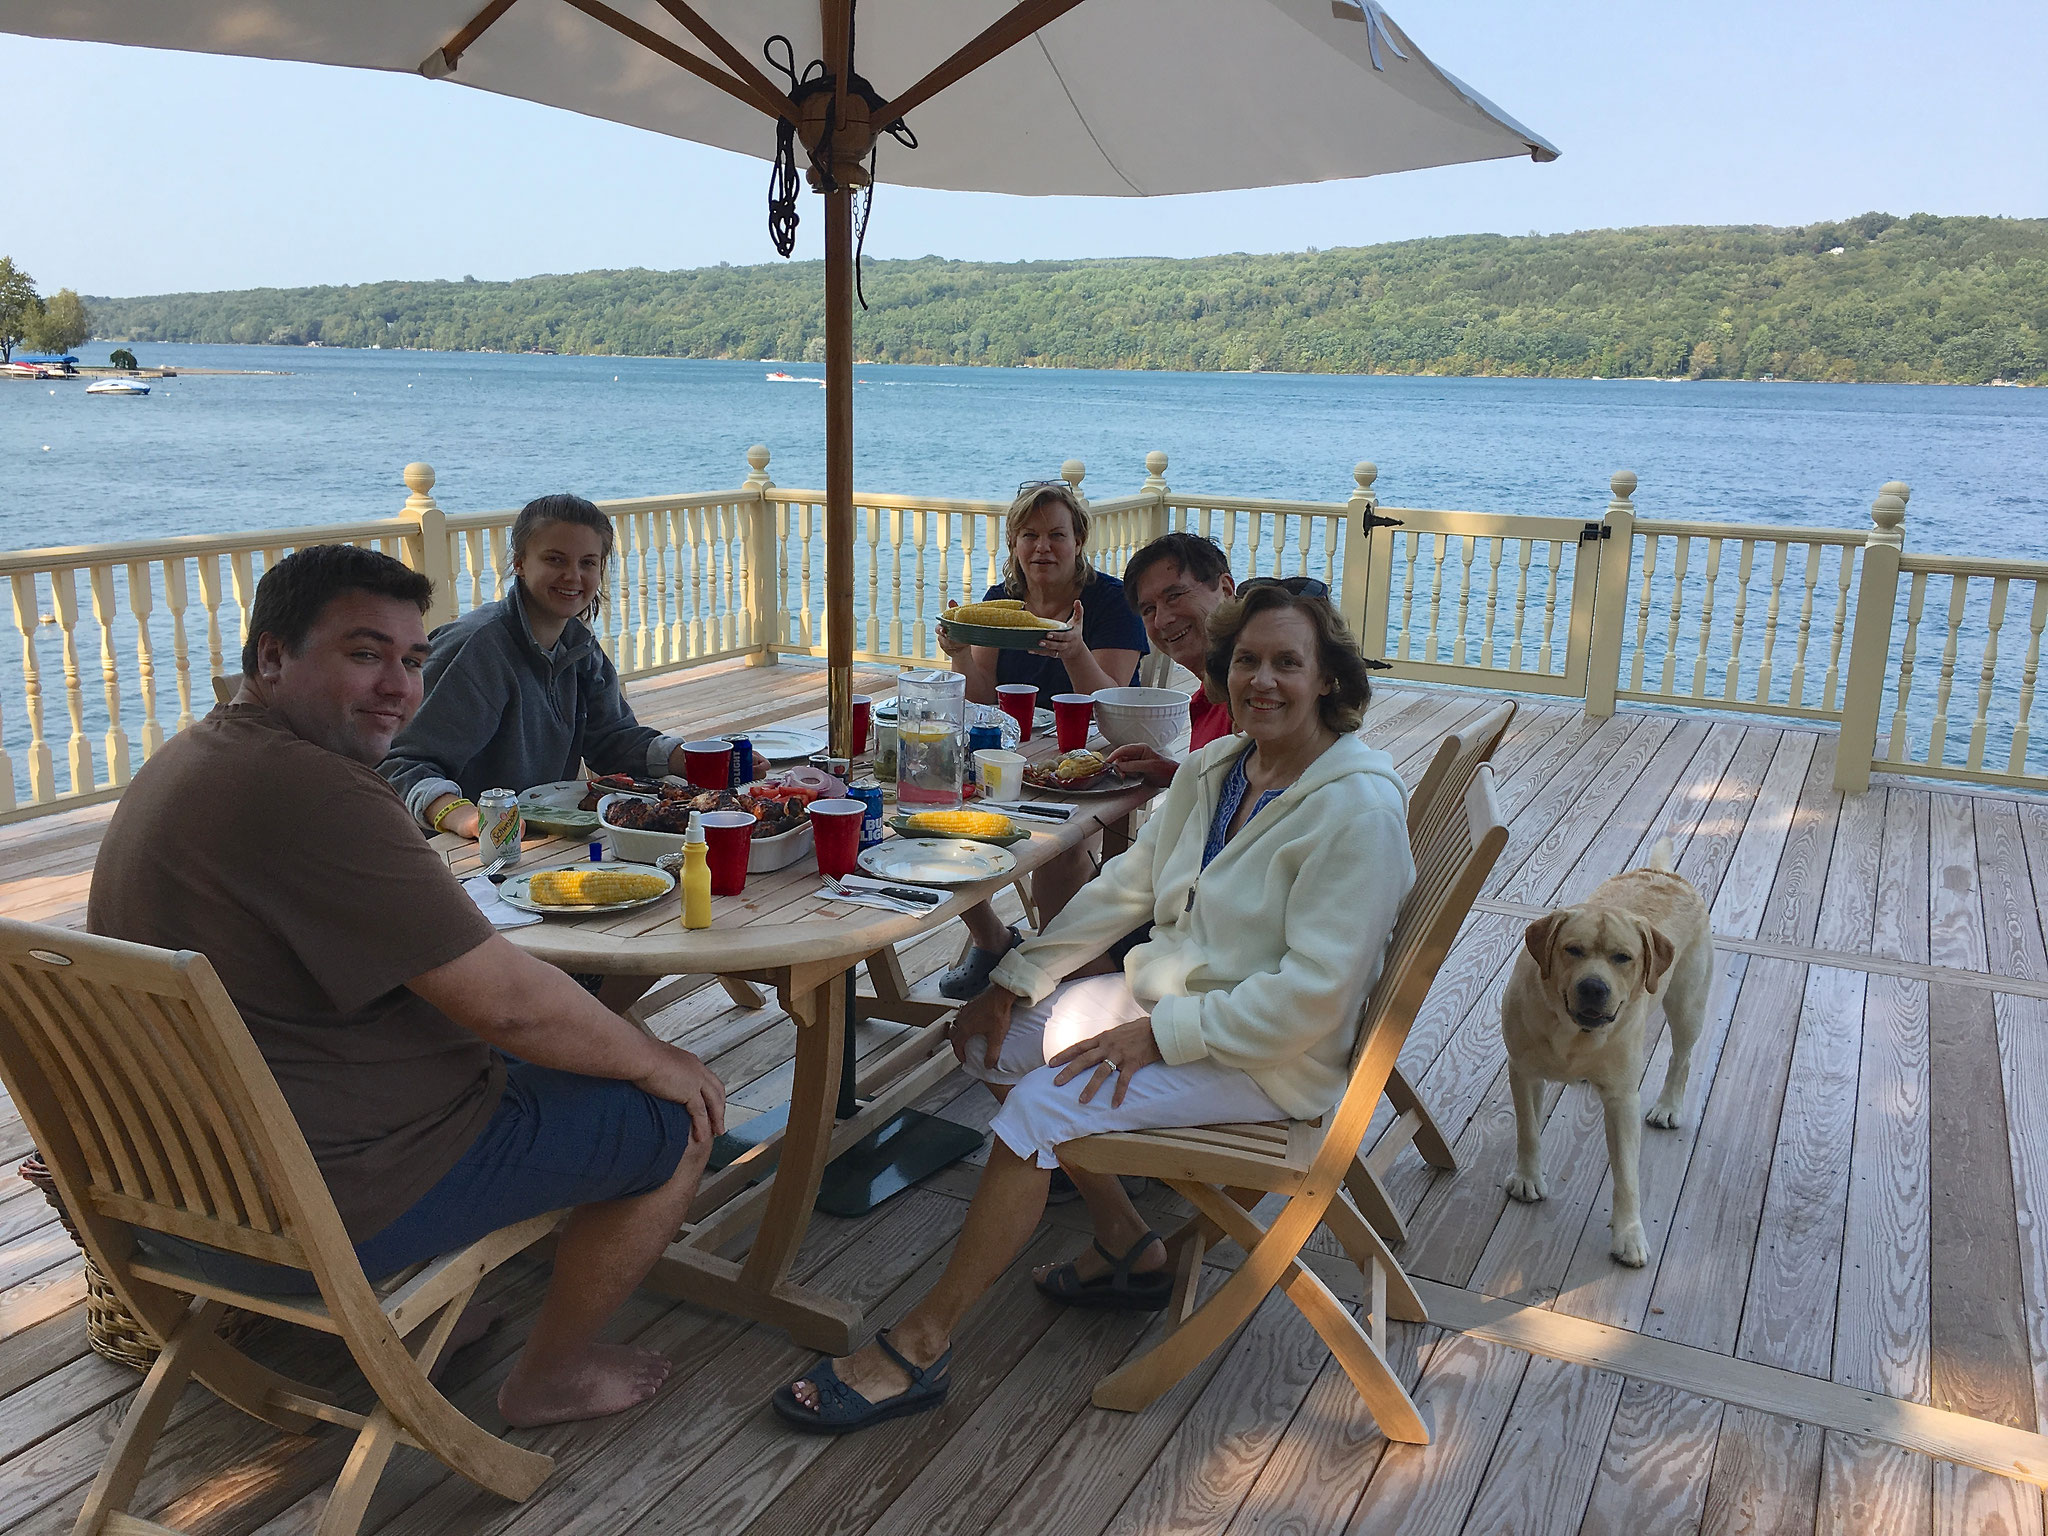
(1408, 595)
(1494, 551)
(2016, 762)
(100, 578)
(1681, 553)
(701, 636)
(1468, 548)
(1915, 598)
(64, 589)
(1810, 577)
(1713, 577)
(1764, 666)
(42, 773)
(1518, 657)
(1543, 657)
(1635, 671)
(1436, 594)
(209, 599)
(901, 645)
(142, 603)
(242, 583)
(181, 657)
(1937, 745)
(1845, 576)
(920, 535)
(1742, 569)
(1987, 673)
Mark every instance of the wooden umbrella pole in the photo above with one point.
(839, 466)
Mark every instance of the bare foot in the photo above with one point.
(1090, 1265)
(600, 1379)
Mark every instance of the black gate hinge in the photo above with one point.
(1596, 531)
(1373, 520)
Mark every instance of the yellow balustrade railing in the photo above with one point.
(1927, 664)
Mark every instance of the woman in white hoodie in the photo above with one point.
(1272, 874)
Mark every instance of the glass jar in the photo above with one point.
(931, 734)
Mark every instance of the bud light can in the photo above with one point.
(498, 827)
(742, 760)
(869, 793)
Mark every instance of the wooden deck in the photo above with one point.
(1844, 1320)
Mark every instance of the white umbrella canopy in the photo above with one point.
(1114, 98)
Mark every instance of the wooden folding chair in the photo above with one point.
(1441, 790)
(1225, 1170)
(153, 1108)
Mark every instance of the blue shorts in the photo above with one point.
(557, 1139)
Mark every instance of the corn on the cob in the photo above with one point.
(591, 887)
(1002, 613)
(962, 823)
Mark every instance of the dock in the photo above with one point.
(1842, 1327)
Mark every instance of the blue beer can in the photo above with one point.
(869, 793)
(742, 760)
(984, 738)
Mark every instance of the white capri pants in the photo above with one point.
(1038, 1115)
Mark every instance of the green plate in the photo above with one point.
(990, 634)
(900, 825)
(560, 821)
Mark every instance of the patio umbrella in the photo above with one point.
(1116, 98)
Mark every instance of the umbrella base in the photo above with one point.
(889, 1159)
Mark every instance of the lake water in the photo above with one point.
(326, 442)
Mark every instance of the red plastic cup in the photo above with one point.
(728, 839)
(1018, 700)
(863, 717)
(708, 764)
(1073, 714)
(837, 834)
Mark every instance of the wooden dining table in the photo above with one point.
(786, 931)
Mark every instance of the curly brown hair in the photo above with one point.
(1342, 709)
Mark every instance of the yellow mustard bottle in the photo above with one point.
(696, 879)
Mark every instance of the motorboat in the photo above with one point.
(22, 371)
(116, 387)
(779, 377)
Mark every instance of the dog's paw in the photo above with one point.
(1527, 1190)
(1665, 1117)
(1629, 1246)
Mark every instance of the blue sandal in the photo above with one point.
(1121, 1290)
(841, 1410)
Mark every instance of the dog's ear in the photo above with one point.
(1541, 938)
(1657, 954)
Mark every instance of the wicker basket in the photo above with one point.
(110, 1328)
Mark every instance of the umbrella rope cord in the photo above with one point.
(783, 181)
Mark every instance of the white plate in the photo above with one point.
(936, 861)
(513, 893)
(781, 746)
(562, 795)
(1109, 784)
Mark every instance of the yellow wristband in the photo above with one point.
(442, 815)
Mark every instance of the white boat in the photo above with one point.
(779, 377)
(116, 387)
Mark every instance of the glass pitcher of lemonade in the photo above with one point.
(931, 739)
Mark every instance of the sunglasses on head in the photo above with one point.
(1041, 485)
(1293, 586)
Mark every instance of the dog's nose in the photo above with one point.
(1591, 990)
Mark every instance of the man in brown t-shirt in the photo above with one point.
(263, 838)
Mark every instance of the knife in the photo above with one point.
(899, 892)
(1037, 809)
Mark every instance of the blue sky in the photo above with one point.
(164, 172)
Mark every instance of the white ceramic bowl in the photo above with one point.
(763, 853)
(1151, 717)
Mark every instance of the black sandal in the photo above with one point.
(1118, 1291)
(841, 1410)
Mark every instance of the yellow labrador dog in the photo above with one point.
(1577, 1008)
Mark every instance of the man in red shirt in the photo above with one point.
(1175, 583)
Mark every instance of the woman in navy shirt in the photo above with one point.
(1047, 530)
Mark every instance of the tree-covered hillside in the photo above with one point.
(1874, 298)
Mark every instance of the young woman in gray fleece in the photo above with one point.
(519, 692)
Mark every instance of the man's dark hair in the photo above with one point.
(296, 591)
(1200, 560)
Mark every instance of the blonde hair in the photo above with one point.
(1029, 501)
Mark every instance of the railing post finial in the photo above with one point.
(419, 479)
(1623, 483)
(1364, 472)
(1073, 471)
(1155, 474)
(1158, 516)
(1877, 595)
(757, 463)
(1888, 516)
